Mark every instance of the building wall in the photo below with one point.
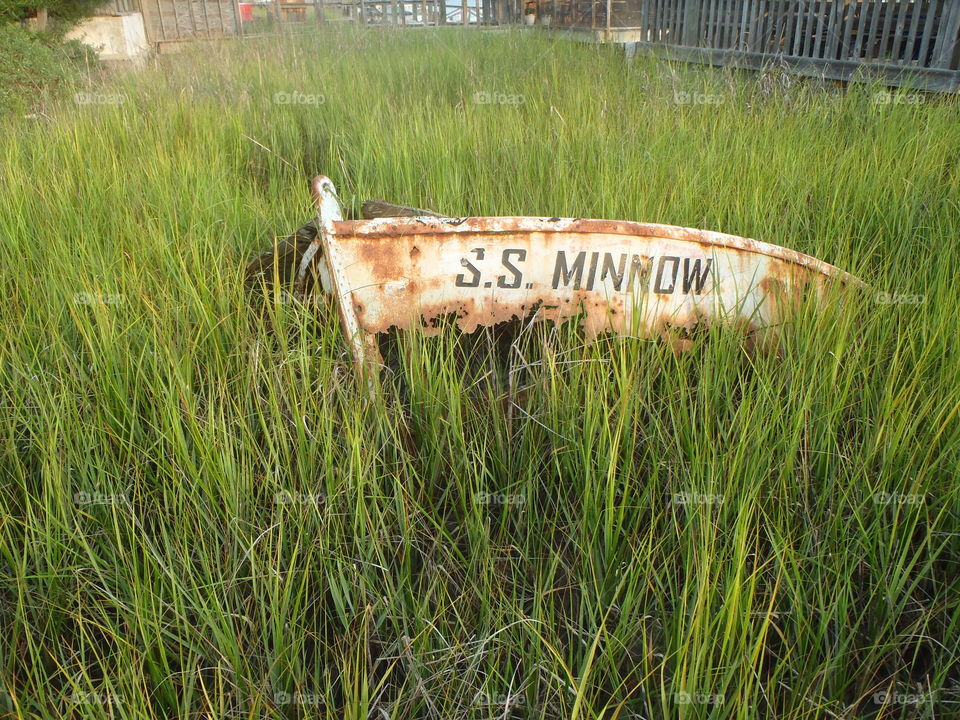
(115, 37)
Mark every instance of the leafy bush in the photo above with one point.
(66, 10)
(34, 65)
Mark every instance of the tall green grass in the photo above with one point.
(202, 514)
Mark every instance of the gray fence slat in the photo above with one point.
(916, 9)
(758, 25)
(946, 41)
(722, 32)
(861, 30)
(826, 14)
(785, 35)
(813, 9)
(846, 41)
(773, 21)
(723, 29)
(784, 26)
(722, 24)
(928, 31)
(834, 27)
(823, 16)
(798, 31)
(755, 26)
(872, 51)
(803, 30)
(808, 9)
(746, 25)
(730, 21)
(683, 9)
(738, 11)
(786, 31)
(710, 31)
(703, 19)
(896, 42)
(691, 23)
(888, 16)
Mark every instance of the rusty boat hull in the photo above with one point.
(629, 278)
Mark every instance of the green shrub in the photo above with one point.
(34, 66)
(69, 11)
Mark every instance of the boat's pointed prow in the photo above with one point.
(325, 195)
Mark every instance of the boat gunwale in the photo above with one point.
(384, 228)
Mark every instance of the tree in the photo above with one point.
(65, 11)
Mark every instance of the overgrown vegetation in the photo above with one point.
(38, 67)
(202, 514)
(61, 12)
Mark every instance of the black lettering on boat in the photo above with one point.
(592, 272)
(475, 280)
(658, 286)
(639, 270)
(521, 255)
(692, 277)
(615, 272)
(562, 273)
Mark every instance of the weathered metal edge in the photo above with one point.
(364, 348)
(391, 227)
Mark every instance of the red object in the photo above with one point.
(246, 12)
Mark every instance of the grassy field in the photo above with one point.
(203, 515)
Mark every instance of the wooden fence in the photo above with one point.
(177, 20)
(413, 13)
(905, 41)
